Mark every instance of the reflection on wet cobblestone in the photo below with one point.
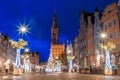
(60, 76)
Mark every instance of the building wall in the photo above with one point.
(57, 50)
(32, 58)
(88, 39)
(82, 39)
(111, 26)
(97, 39)
(6, 51)
(76, 51)
(90, 46)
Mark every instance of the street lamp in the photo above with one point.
(26, 49)
(103, 35)
(107, 48)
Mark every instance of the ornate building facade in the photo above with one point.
(82, 40)
(30, 60)
(7, 53)
(91, 26)
(89, 37)
(57, 50)
(76, 51)
(97, 31)
(111, 26)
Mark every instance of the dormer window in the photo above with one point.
(109, 11)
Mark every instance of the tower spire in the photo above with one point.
(54, 25)
(54, 30)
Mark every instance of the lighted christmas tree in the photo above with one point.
(18, 45)
(107, 48)
(51, 64)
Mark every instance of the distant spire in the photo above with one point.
(89, 20)
(54, 19)
(96, 9)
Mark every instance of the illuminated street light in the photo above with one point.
(26, 49)
(103, 35)
(23, 29)
(56, 57)
(69, 51)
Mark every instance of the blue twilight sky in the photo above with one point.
(39, 15)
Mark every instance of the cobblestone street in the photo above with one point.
(58, 76)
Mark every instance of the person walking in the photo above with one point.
(91, 70)
(6, 69)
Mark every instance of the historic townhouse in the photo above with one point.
(111, 26)
(89, 37)
(7, 53)
(97, 31)
(57, 50)
(76, 52)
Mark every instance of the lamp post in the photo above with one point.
(107, 48)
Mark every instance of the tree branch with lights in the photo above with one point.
(109, 46)
(20, 44)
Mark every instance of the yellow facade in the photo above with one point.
(57, 50)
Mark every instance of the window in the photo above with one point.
(115, 21)
(110, 24)
(117, 46)
(100, 25)
(115, 33)
(110, 35)
(109, 11)
(91, 51)
(105, 27)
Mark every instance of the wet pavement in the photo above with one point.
(58, 76)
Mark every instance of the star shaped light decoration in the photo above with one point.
(23, 28)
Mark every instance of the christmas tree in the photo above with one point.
(51, 64)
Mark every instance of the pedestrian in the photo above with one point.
(90, 69)
(6, 69)
(115, 71)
